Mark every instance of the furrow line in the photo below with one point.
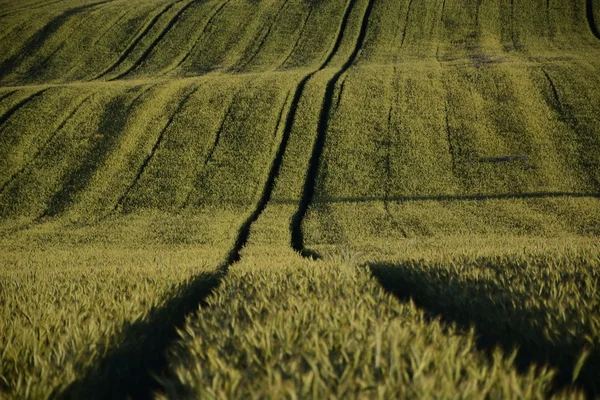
(264, 38)
(30, 7)
(197, 40)
(589, 12)
(341, 93)
(44, 145)
(80, 177)
(297, 236)
(7, 94)
(110, 27)
(244, 231)
(4, 117)
(304, 22)
(445, 197)
(449, 138)
(135, 41)
(150, 156)
(410, 3)
(41, 36)
(559, 106)
(153, 45)
(211, 151)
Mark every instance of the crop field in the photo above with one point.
(299, 199)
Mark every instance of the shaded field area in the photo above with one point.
(366, 198)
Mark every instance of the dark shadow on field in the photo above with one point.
(499, 317)
(128, 369)
(111, 127)
(40, 37)
(467, 197)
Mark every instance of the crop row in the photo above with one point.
(66, 41)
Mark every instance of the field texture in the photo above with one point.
(299, 199)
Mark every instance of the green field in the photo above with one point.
(299, 199)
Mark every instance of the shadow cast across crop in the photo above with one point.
(500, 317)
(128, 369)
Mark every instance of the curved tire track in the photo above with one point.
(44, 145)
(135, 42)
(40, 37)
(305, 21)
(589, 12)
(263, 40)
(153, 45)
(211, 151)
(197, 40)
(155, 147)
(297, 236)
(11, 111)
(114, 121)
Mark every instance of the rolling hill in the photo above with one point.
(202, 145)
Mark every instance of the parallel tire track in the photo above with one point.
(7, 94)
(142, 354)
(244, 231)
(44, 145)
(300, 34)
(80, 177)
(30, 7)
(569, 118)
(155, 147)
(10, 112)
(297, 236)
(264, 38)
(153, 45)
(110, 27)
(38, 39)
(211, 151)
(197, 40)
(135, 41)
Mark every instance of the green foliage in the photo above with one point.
(309, 329)
(451, 146)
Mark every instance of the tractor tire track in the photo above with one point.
(150, 156)
(410, 3)
(7, 94)
(153, 45)
(571, 120)
(11, 111)
(197, 40)
(135, 41)
(41, 36)
(304, 22)
(451, 148)
(341, 93)
(110, 27)
(30, 7)
(144, 359)
(211, 151)
(263, 40)
(39, 67)
(117, 112)
(43, 147)
(557, 103)
(589, 12)
(308, 191)
(388, 173)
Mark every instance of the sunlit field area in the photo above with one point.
(311, 199)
